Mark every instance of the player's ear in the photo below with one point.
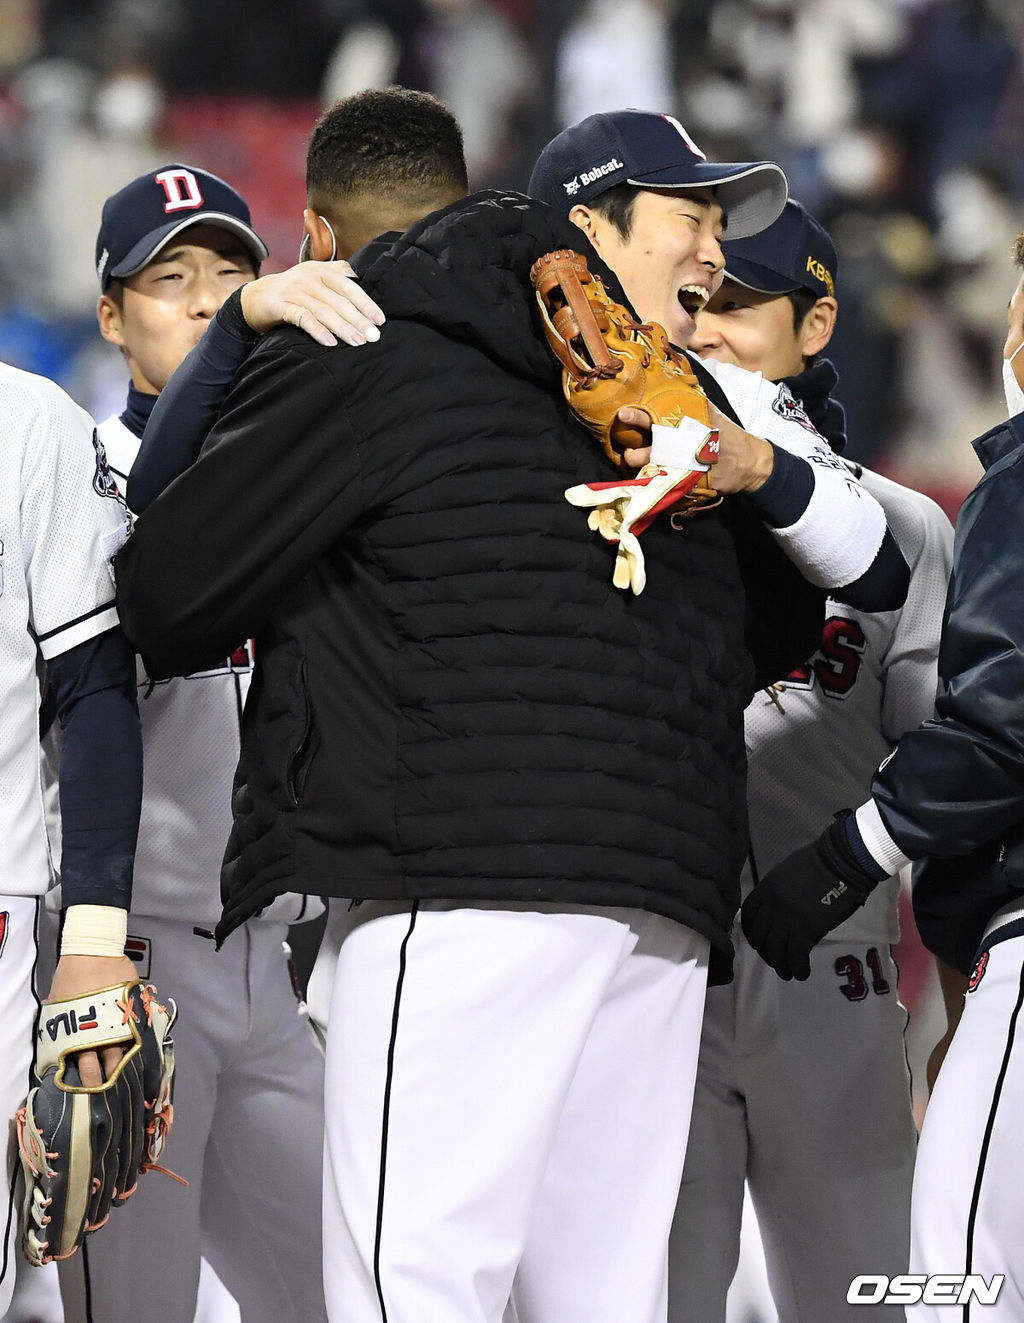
(587, 222)
(111, 321)
(322, 245)
(817, 327)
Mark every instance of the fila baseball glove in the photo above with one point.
(610, 361)
(82, 1149)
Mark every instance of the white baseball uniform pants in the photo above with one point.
(18, 1006)
(803, 1090)
(968, 1205)
(508, 1091)
(36, 1297)
(214, 1303)
(342, 915)
(247, 1135)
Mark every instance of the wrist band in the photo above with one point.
(877, 841)
(94, 930)
(681, 446)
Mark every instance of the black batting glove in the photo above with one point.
(800, 900)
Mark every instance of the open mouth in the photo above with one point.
(693, 298)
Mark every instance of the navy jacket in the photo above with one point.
(954, 789)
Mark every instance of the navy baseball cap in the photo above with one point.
(794, 252)
(655, 152)
(146, 214)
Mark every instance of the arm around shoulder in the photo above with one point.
(276, 483)
(187, 407)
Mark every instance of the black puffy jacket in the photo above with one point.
(451, 699)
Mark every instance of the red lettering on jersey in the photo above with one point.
(242, 657)
(842, 651)
(800, 675)
(182, 189)
(837, 662)
(5, 916)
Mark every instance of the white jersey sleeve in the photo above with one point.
(840, 531)
(72, 522)
(925, 536)
(57, 532)
(816, 748)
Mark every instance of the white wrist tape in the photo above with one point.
(677, 447)
(94, 930)
(838, 535)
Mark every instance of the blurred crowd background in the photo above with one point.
(899, 122)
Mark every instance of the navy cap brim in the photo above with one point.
(751, 275)
(751, 195)
(150, 244)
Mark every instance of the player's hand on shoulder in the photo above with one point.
(800, 901)
(322, 299)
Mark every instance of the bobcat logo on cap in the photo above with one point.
(592, 176)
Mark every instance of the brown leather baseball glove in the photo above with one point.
(611, 361)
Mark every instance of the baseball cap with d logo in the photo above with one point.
(146, 214)
(654, 152)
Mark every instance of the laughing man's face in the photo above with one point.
(672, 261)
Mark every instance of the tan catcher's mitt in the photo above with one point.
(611, 361)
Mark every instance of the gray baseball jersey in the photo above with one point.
(813, 744)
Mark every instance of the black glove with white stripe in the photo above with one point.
(802, 899)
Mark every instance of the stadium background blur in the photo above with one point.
(899, 122)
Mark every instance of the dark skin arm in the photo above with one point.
(953, 985)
